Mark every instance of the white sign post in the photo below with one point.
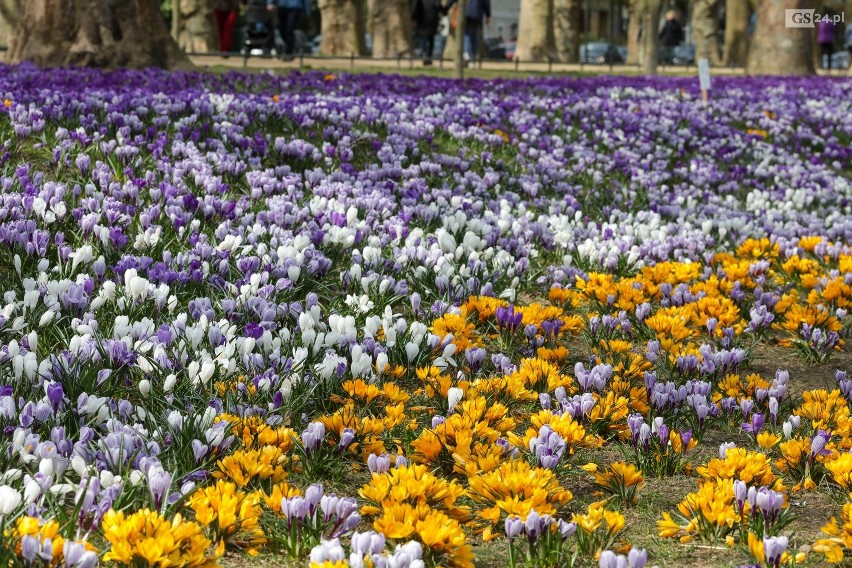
(704, 77)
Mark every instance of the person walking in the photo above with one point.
(825, 39)
(671, 35)
(476, 12)
(289, 12)
(426, 15)
(226, 12)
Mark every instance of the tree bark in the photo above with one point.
(390, 27)
(176, 23)
(705, 30)
(94, 33)
(566, 30)
(342, 28)
(458, 66)
(535, 32)
(777, 50)
(634, 31)
(737, 14)
(848, 12)
(199, 33)
(9, 10)
(649, 44)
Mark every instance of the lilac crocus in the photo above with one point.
(378, 463)
(637, 557)
(754, 425)
(513, 527)
(294, 509)
(774, 548)
(313, 436)
(818, 443)
(159, 482)
(532, 525)
(740, 494)
(347, 436)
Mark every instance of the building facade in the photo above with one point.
(602, 20)
(505, 15)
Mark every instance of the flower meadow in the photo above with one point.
(376, 321)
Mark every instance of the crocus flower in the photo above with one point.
(347, 436)
(774, 548)
(532, 526)
(514, 527)
(378, 464)
(637, 557)
(9, 500)
(159, 482)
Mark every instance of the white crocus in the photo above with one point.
(9, 500)
(454, 396)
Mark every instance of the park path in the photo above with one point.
(492, 67)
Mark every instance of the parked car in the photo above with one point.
(683, 54)
(599, 52)
(493, 48)
(509, 50)
(840, 60)
(622, 51)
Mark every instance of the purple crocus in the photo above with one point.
(159, 482)
(754, 425)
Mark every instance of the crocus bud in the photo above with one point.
(531, 525)
(740, 493)
(9, 500)
(454, 395)
(514, 526)
(637, 557)
(346, 438)
(774, 548)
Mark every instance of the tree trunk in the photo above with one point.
(566, 30)
(342, 28)
(705, 30)
(199, 33)
(848, 12)
(8, 12)
(535, 33)
(737, 13)
(94, 33)
(176, 23)
(458, 66)
(777, 50)
(390, 27)
(649, 45)
(634, 31)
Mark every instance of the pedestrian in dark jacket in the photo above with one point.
(825, 38)
(426, 15)
(226, 18)
(671, 35)
(289, 13)
(476, 12)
